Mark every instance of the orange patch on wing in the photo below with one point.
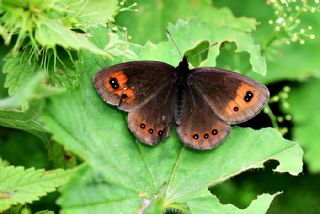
(239, 101)
(123, 89)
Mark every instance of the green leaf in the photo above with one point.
(116, 46)
(20, 186)
(87, 191)
(32, 89)
(20, 69)
(99, 134)
(115, 43)
(3, 52)
(52, 32)
(133, 173)
(155, 16)
(91, 13)
(206, 204)
(21, 110)
(303, 106)
(25, 120)
(189, 34)
(45, 212)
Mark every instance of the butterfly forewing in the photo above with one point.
(232, 96)
(200, 127)
(151, 122)
(130, 85)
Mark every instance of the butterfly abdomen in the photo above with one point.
(178, 110)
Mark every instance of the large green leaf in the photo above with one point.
(93, 193)
(99, 134)
(88, 191)
(189, 34)
(186, 37)
(304, 105)
(126, 175)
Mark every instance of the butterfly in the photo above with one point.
(203, 102)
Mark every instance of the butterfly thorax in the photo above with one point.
(182, 71)
(180, 84)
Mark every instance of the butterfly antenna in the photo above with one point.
(168, 32)
(204, 50)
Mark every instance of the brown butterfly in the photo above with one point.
(203, 102)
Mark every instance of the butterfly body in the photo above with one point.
(180, 84)
(202, 102)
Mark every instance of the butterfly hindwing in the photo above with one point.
(200, 127)
(232, 96)
(130, 85)
(151, 122)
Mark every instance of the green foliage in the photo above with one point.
(155, 16)
(49, 52)
(21, 110)
(24, 120)
(11, 151)
(43, 28)
(307, 120)
(289, 48)
(19, 185)
(50, 24)
(32, 89)
(45, 212)
(3, 52)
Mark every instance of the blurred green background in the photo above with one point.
(292, 52)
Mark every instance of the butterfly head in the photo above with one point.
(183, 65)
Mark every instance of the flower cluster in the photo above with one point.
(288, 19)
